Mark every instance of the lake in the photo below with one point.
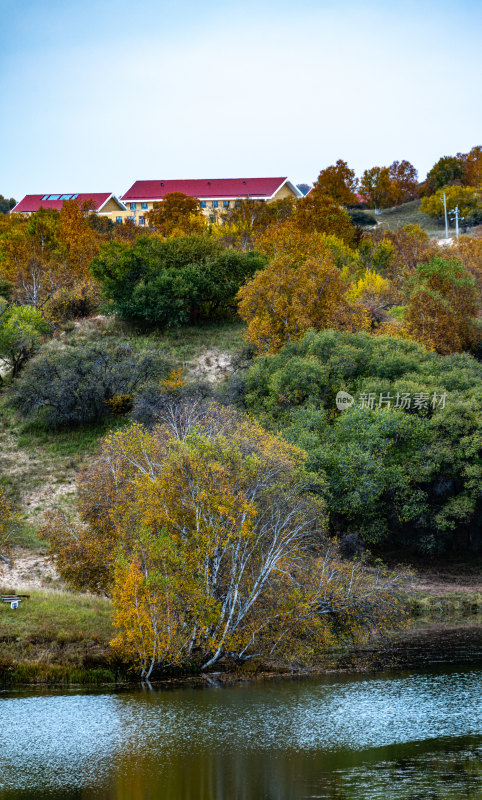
(396, 736)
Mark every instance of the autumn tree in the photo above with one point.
(472, 164)
(28, 257)
(291, 295)
(404, 178)
(397, 254)
(210, 539)
(318, 213)
(177, 214)
(49, 251)
(377, 185)
(447, 171)
(79, 242)
(375, 293)
(469, 252)
(241, 224)
(339, 182)
(467, 198)
(442, 306)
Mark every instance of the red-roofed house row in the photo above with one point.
(215, 194)
(104, 203)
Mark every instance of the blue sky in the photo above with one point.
(94, 95)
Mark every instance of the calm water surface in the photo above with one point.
(401, 736)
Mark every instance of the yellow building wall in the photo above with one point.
(284, 192)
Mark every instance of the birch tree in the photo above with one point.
(209, 535)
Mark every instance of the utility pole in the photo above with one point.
(456, 215)
(445, 215)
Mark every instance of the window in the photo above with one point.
(142, 221)
(131, 219)
(45, 197)
(144, 206)
(53, 197)
(75, 196)
(65, 196)
(118, 220)
(203, 204)
(226, 203)
(215, 203)
(132, 206)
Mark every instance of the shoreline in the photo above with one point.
(432, 645)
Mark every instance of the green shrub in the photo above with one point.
(397, 476)
(174, 281)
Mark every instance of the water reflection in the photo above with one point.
(406, 737)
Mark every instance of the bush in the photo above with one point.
(362, 219)
(175, 281)
(76, 386)
(81, 300)
(22, 329)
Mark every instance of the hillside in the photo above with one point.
(409, 214)
(57, 636)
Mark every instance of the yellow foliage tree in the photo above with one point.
(177, 214)
(206, 536)
(442, 306)
(283, 301)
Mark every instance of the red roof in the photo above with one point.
(32, 202)
(216, 187)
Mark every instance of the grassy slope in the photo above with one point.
(38, 467)
(409, 214)
(57, 637)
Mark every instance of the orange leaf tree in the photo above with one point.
(301, 288)
(177, 214)
(338, 181)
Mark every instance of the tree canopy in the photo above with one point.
(403, 462)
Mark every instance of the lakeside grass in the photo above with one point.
(57, 637)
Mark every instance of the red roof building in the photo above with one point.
(215, 194)
(221, 188)
(104, 203)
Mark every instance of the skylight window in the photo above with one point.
(75, 196)
(53, 197)
(45, 197)
(65, 196)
